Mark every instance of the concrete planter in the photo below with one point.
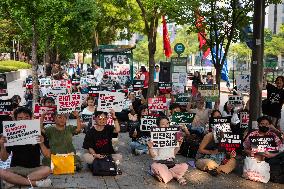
(15, 75)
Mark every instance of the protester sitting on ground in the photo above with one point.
(210, 159)
(165, 156)
(139, 138)
(60, 137)
(91, 108)
(25, 166)
(98, 140)
(272, 106)
(228, 110)
(48, 101)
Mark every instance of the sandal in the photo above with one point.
(182, 181)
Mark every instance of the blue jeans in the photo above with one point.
(137, 146)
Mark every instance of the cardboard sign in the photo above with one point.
(230, 142)
(61, 84)
(164, 137)
(235, 100)
(165, 88)
(157, 104)
(110, 100)
(263, 144)
(244, 119)
(29, 83)
(45, 82)
(75, 81)
(148, 122)
(86, 117)
(87, 81)
(21, 132)
(209, 92)
(138, 84)
(6, 107)
(94, 90)
(50, 110)
(182, 99)
(67, 103)
(243, 83)
(3, 85)
(182, 117)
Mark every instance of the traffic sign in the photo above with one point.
(179, 48)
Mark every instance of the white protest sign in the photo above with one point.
(61, 84)
(147, 122)
(55, 92)
(164, 137)
(45, 81)
(243, 83)
(236, 100)
(110, 100)
(21, 132)
(87, 81)
(67, 103)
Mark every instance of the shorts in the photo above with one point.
(23, 171)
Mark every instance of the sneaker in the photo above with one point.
(43, 183)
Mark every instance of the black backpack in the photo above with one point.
(104, 167)
(277, 168)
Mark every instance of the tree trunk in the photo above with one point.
(47, 53)
(34, 62)
(218, 78)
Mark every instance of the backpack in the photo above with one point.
(104, 167)
(276, 168)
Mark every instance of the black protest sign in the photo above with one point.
(75, 81)
(182, 117)
(182, 99)
(263, 144)
(138, 84)
(244, 119)
(230, 142)
(236, 100)
(3, 85)
(86, 117)
(215, 122)
(147, 123)
(6, 107)
(165, 88)
(164, 137)
(94, 90)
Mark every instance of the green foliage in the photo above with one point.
(10, 65)
(240, 53)
(273, 44)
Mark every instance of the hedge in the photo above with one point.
(11, 65)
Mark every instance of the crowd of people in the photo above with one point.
(28, 168)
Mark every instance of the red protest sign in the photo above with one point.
(157, 104)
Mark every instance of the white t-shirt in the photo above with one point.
(87, 112)
(164, 153)
(98, 75)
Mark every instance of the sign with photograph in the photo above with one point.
(209, 92)
(110, 100)
(164, 137)
(67, 103)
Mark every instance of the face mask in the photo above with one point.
(263, 129)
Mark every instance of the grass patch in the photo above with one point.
(11, 65)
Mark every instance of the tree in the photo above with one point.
(241, 53)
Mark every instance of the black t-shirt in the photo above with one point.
(25, 155)
(275, 97)
(100, 141)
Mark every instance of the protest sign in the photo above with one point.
(110, 100)
(109, 120)
(21, 132)
(3, 85)
(182, 99)
(67, 103)
(86, 117)
(75, 81)
(263, 144)
(180, 78)
(244, 119)
(6, 107)
(119, 72)
(216, 122)
(235, 100)
(177, 88)
(165, 88)
(50, 110)
(243, 83)
(29, 83)
(61, 84)
(45, 82)
(147, 122)
(209, 92)
(230, 142)
(87, 81)
(182, 117)
(93, 90)
(138, 84)
(164, 137)
(54, 92)
(157, 104)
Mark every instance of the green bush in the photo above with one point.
(11, 65)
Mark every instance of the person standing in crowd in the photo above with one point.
(98, 74)
(164, 167)
(145, 77)
(71, 71)
(209, 81)
(196, 80)
(25, 166)
(90, 70)
(156, 78)
(57, 71)
(272, 106)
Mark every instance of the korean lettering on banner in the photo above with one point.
(67, 103)
(182, 99)
(45, 82)
(61, 84)
(147, 122)
(236, 100)
(6, 107)
(209, 92)
(138, 84)
(182, 117)
(165, 88)
(243, 83)
(219, 123)
(110, 100)
(50, 110)
(21, 132)
(263, 144)
(157, 104)
(75, 81)
(244, 119)
(177, 88)
(3, 85)
(29, 83)
(55, 92)
(230, 142)
(164, 137)
(93, 90)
